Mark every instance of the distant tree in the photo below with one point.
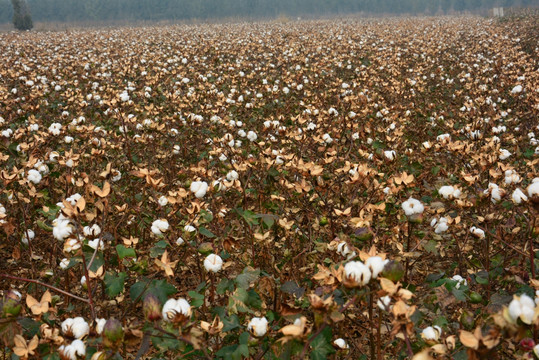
(22, 20)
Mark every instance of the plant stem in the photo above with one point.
(6, 276)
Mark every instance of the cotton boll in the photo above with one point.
(518, 196)
(504, 154)
(341, 343)
(357, 273)
(384, 302)
(376, 265)
(412, 206)
(159, 227)
(258, 326)
(28, 235)
(34, 176)
(232, 175)
(176, 310)
(213, 263)
(199, 188)
(460, 281)
(390, 154)
(479, 233)
(163, 201)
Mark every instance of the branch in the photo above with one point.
(6, 276)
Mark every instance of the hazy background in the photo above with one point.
(111, 11)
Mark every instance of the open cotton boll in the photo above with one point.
(477, 232)
(341, 343)
(75, 327)
(99, 325)
(460, 281)
(163, 201)
(376, 265)
(412, 206)
(199, 188)
(258, 326)
(522, 308)
(28, 235)
(357, 273)
(518, 196)
(159, 227)
(232, 175)
(533, 190)
(34, 176)
(504, 154)
(62, 228)
(176, 310)
(93, 230)
(390, 154)
(384, 302)
(517, 89)
(213, 263)
(251, 135)
(431, 333)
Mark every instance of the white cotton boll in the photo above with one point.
(460, 281)
(96, 242)
(345, 251)
(242, 133)
(99, 325)
(355, 136)
(447, 191)
(376, 265)
(70, 163)
(174, 307)
(327, 138)
(34, 176)
(180, 241)
(189, 228)
(390, 154)
(77, 327)
(159, 227)
(511, 177)
(412, 206)
(504, 154)
(28, 236)
(68, 139)
(64, 263)
(124, 96)
(357, 272)
(55, 129)
(199, 188)
(431, 333)
(384, 302)
(7, 133)
(93, 230)
(533, 188)
(33, 127)
(258, 326)
(517, 89)
(213, 263)
(477, 232)
(518, 196)
(251, 135)
(341, 343)
(163, 201)
(62, 228)
(74, 198)
(232, 175)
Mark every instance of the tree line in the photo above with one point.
(156, 10)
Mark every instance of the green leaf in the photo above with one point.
(114, 284)
(159, 288)
(321, 345)
(236, 301)
(43, 226)
(430, 246)
(247, 277)
(458, 294)
(207, 233)
(291, 287)
(198, 299)
(224, 285)
(124, 252)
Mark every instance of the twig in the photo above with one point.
(6, 276)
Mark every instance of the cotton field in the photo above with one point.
(342, 189)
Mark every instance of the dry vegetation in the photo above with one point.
(310, 189)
